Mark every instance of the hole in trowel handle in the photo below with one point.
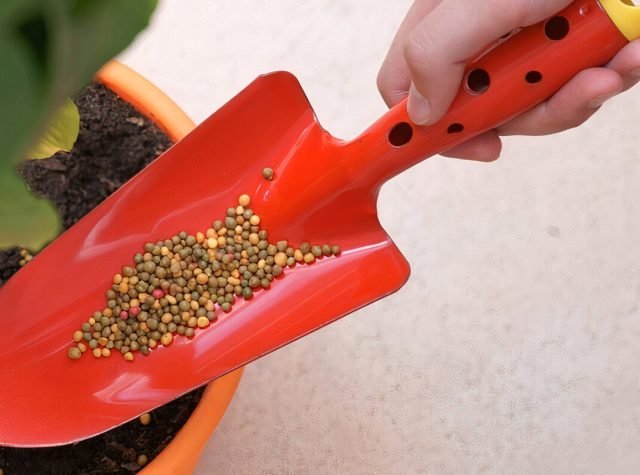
(556, 28)
(455, 128)
(400, 134)
(478, 81)
(533, 77)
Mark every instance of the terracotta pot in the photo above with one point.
(181, 455)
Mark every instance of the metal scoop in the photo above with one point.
(324, 190)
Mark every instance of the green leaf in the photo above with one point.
(48, 50)
(61, 133)
(20, 97)
(26, 221)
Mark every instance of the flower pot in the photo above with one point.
(181, 455)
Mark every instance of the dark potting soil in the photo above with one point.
(114, 143)
(9, 263)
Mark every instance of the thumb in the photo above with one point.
(438, 48)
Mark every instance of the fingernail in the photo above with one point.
(418, 107)
(597, 102)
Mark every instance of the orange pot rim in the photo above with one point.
(182, 454)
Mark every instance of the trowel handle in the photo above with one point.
(517, 73)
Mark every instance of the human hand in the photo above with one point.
(427, 58)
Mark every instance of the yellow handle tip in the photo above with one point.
(625, 15)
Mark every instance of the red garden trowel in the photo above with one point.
(324, 190)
